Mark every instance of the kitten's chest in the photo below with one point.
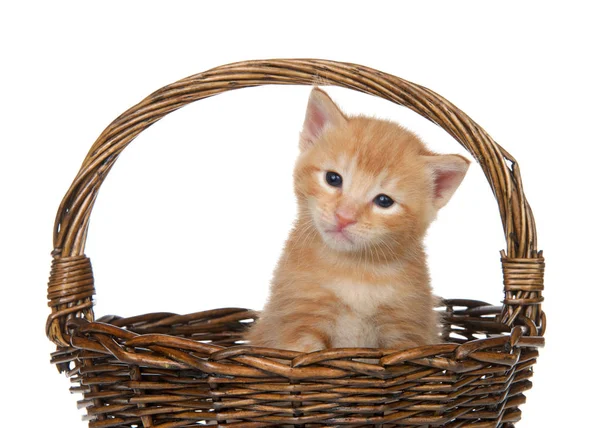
(363, 298)
(355, 322)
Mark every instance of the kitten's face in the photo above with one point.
(365, 184)
(361, 191)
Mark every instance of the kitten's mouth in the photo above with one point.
(339, 234)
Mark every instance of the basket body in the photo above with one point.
(167, 370)
(465, 382)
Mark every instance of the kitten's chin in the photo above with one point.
(339, 241)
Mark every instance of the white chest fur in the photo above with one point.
(355, 325)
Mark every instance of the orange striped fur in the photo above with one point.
(352, 273)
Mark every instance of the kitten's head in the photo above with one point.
(369, 184)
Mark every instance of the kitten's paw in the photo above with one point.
(307, 344)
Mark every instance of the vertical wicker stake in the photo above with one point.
(166, 370)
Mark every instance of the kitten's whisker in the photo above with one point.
(305, 227)
(377, 248)
(315, 234)
(393, 254)
(309, 232)
(364, 246)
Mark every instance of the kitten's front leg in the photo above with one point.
(401, 328)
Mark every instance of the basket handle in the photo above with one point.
(71, 287)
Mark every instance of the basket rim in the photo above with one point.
(161, 340)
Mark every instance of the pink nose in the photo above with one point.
(344, 219)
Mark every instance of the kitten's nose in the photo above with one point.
(344, 218)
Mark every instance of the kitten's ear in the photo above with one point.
(447, 172)
(321, 113)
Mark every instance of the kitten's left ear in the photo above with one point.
(447, 172)
(321, 113)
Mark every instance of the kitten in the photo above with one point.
(353, 272)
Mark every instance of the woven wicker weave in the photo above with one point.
(167, 370)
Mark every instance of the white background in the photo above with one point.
(195, 212)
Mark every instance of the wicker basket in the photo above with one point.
(167, 370)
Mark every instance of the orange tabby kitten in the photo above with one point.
(353, 272)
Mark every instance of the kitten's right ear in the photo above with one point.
(321, 113)
(447, 172)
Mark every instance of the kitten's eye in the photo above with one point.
(384, 201)
(333, 179)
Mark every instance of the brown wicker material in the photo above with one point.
(167, 370)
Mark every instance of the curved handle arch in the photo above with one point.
(71, 283)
